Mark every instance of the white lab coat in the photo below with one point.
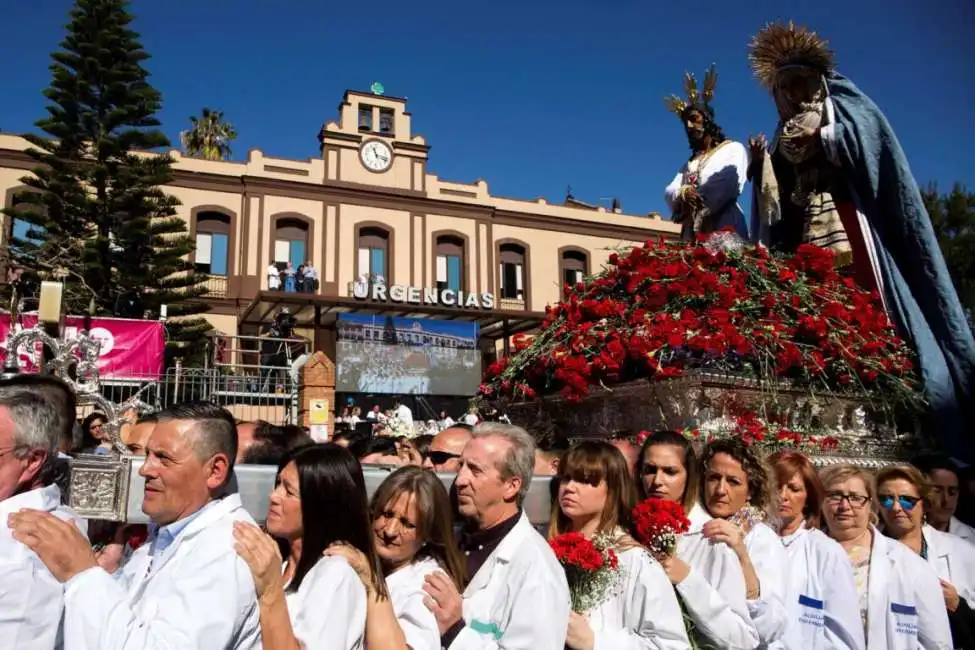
(199, 594)
(824, 609)
(905, 609)
(518, 599)
(645, 613)
(328, 611)
(31, 599)
(963, 530)
(418, 623)
(713, 592)
(953, 559)
(771, 563)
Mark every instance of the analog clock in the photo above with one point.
(376, 155)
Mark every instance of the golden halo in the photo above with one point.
(779, 45)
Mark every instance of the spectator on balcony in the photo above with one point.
(289, 278)
(273, 277)
(300, 279)
(311, 277)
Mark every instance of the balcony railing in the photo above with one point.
(215, 286)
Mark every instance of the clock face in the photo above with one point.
(376, 155)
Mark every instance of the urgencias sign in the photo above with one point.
(397, 293)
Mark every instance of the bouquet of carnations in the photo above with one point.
(591, 566)
(657, 523)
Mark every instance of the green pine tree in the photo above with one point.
(99, 215)
(953, 218)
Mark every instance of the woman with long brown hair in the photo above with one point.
(821, 594)
(595, 498)
(413, 534)
(708, 577)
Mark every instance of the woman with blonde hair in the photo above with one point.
(821, 594)
(413, 534)
(735, 491)
(900, 602)
(595, 498)
(903, 493)
(708, 577)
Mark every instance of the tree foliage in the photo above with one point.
(209, 136)
(953, 217)
(97, 212)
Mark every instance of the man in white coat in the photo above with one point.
(186, 587)
(517, 597)
(34, 414)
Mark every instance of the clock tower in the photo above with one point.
(372, 144)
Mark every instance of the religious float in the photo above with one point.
(713, 339)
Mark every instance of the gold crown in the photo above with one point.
(779, 45)
(677, 104)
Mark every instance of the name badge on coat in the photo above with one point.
(811, 611)
(905, 619)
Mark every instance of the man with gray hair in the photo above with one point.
(517, 597)
(35, 412)
(186, 587)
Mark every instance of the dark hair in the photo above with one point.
(374, 445)
(435, 529)
(933, 462)
(422, 443)
(271, 443)
(759, 494)
(88, 440)
(711, 127)
(55, 391)
(334, 507)
(215, 431)
(675, 439)
(592, 462)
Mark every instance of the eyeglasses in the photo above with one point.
(855, 500)
(441, 457)
(906, 502)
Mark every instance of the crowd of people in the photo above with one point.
(777, 555)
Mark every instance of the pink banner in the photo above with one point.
(131, 349)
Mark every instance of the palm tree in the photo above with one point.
(209, 136)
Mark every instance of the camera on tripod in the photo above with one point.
(284, 324)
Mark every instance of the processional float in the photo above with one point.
(109, 487)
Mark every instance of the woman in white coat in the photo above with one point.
(736, 492)
(900, 599)
(707, 576)
(595, 498)
(822, 594)
(412, 528)
(944, 482)
(903, 492)
(315, 602)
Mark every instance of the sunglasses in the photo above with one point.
(441, 457)
(907, 503)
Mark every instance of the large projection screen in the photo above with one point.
(406, 356)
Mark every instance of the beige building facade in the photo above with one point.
(368, 209)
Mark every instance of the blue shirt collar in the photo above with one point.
(164, 536)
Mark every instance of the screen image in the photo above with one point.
(406, 356)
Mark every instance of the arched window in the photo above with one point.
(512, 271)
(450, 262)
(212, 243)
(575, 266)
(290, 242)
(372, 261)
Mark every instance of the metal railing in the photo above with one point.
(215, 286)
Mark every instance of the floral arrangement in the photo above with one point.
(396, 428)
(591, 568)
(657, 524)
(664, 308)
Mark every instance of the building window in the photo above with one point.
(512, 271)
(386, 121)
(212, 243)
(21, 230)
(290, 243)
(575, 265)
(365, 117)
(373, 248)
(450, 263)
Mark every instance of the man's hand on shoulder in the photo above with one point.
(59, 544)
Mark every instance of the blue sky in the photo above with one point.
(530, 96)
